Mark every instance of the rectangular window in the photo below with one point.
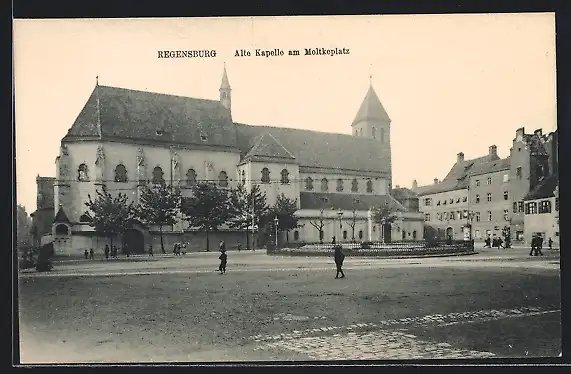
(428, 201)
(427, 217)
(533, 208)
(489, 215)
(438, 203)
(459, 213)
(477, 182)
(527, 208)
(557, 204)
(506, 215)
(518, 172)
(477, 216)
(520, 206)
(477, 199)
(489, 197)
(506, 178)
(515, 206)
(506, 195)
(489, 180)
(545, 206)
(452, 216)
(465, 199)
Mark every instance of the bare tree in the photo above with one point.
(352, 224)
(319, 225)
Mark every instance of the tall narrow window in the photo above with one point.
(243, 177)
(489, 197)
(506, 195)
(477, 216)
(361, 132)
(120, 173)
(339, 185)
(83, 173)
(382, 135)
(308, 184)
(489, 215)
(355, 185)
(285, 176)
(515, 206)
(158, 175)
(518, 172)
(223, 179)
(477, 182)
(265, 175)
(324, 185)
(506, 215)
(369, 186)
(374, 132)
(489, 180)
(190, 177)
(477, 199)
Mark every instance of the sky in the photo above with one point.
(450, 83)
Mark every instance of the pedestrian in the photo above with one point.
(550, 242)
(223, 260)
(239, 246)
(333, 240)
(85, 253)
(183, 248)
(539, 245)
(339, 257)
(222, 246)
(533, 245)
(151, 250)
(114, 251)
(106, 251)
(91, 254)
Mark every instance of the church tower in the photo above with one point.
(372, 121)
(225, 91)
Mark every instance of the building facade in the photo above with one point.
(43, 217)
(541, 211)
(492, 190)
(123, 139)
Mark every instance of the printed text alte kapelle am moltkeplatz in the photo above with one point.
(258, 52)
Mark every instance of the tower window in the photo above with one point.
(158, 175)
(265, 175)
(355, 185)
(120, 173)
(339, 185)
(83, 173)
(223, 179)
(370, 186)
(190, 177)
(285, 176)
(308, 183)
(324, 185)
(243, 177)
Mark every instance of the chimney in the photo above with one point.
(435, 180)
(537, 132)
(493, 150)
(414, 184)
(397, 186)
(460, 157)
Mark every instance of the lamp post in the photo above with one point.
(469, 217)
(340, 215)
(276, 225)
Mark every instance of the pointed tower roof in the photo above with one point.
(371, 108)
(61, 217)
(225, 85)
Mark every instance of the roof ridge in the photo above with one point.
(307, 130)
(158, 93)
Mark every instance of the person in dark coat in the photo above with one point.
(339, 257)
(85, 253)
(91, 254)
(106, 251)
(550, 242)
(533, 244)
(151, 250)
(223, 260)
(539, 245)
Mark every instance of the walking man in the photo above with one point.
(550, 242)
(539, 244)
(151, 250)
(339, 257)
(106, 251)
(533, 244)
(85, 253)
(223, 260)
(91, 254)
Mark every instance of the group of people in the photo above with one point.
(179, 248)
(111, 251)
(495, 242)
(537, 245)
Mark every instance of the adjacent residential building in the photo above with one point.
(43, 217)
(541, 209)
(489, 190)
(124, 139)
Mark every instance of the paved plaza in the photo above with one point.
(494, 304)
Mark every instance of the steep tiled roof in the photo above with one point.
(544, 189)
(316, 200)
(490, 167)
(371, 108)
(267, 146)
(61, 217)
(457, 176)
(320, 149)
(403, 193)
(139, 115)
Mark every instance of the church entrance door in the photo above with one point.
(134, 240)
(387, 232)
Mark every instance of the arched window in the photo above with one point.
(285, 176)
(243, 177)
(324, 185)
(62, 229)
(190, 177)
(382, 135)
(344, 234)
(369, 186)
(121, 173)
(158, 175)
(339, 185)
(85, 218)
(355, 186)
(223, 179)
(308, 183)
(361, 132)
(296, 235)
(83, 173)
(414, 234)
(374, 132)
(360, 234)
(265, 175)
(356, 133)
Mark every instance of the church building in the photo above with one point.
(123, 138)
